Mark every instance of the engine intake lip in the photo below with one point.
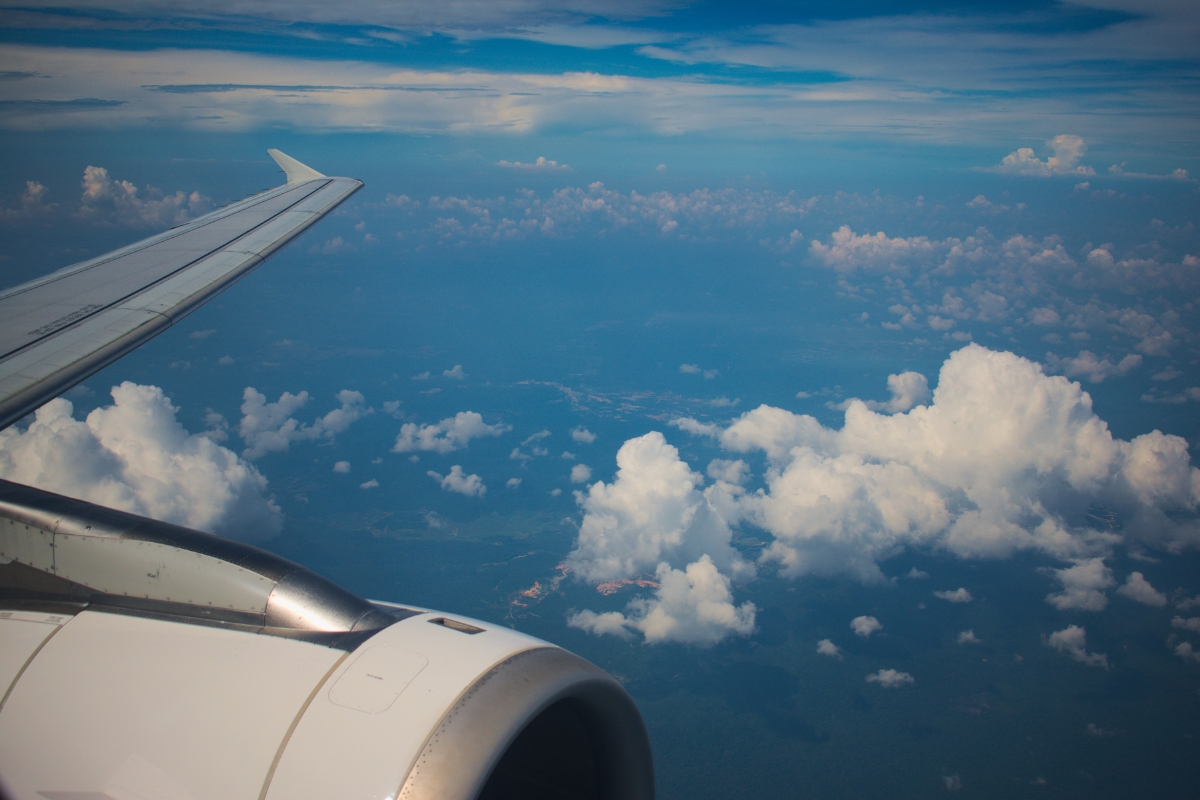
(474, 736)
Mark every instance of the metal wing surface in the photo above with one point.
(58, 330)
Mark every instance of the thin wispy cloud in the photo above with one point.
(239, 91)
(542, 164)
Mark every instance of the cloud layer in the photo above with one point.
(1059, 72)
(1004, 459)
(1106, 311)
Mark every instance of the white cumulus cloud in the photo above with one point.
(733, 472)
(581, 473)
(908, 389)
(826, 647)
(458, 481)
(654, 516)
(270, 427)
(691, 606)
(611, 622)
(1137, 588)
(1005, 458)
(1185, 651)
(959, 595)
(652, 512)
(1002, 458)
(452, 433)
(32, 204)
(848, 252)
(1188, 603)
(968, 637)
(1067, 149)
(1088, 365)
(583, 435)
(865, 626)
(1072, 641)
(1083, 586)
(119, 202)
(135, 456)
(891, 679)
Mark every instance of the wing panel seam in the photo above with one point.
(168, 276)
(160, 280)
(138, 247)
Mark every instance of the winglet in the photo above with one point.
(296, 172)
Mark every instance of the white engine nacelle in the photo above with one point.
(143, 661)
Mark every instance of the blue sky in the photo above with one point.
(923, 81)
(766, 321)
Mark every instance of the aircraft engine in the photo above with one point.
(144, 660)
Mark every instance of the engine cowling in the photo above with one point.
(143, 660)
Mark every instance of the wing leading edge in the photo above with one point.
(59, 330)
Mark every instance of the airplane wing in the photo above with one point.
(59, 330)
(145, 661)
